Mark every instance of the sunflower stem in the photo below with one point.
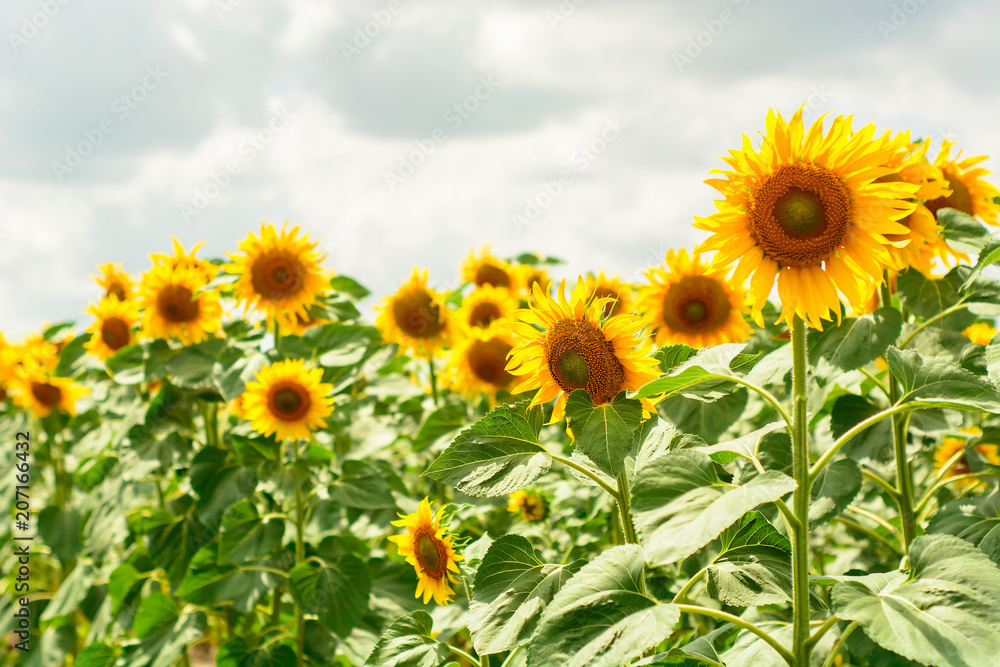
(746, 625)
(838, 644)
(300, 553)
(434, 385)
(801, 648)
(625, 508)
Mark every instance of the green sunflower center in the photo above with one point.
(431, 553)
(799, 212)
(574, 368)
(579, 357)
(696, 310)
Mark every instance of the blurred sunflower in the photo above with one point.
(299, 325)
(428, 547)
(527, 276)
(477, 365)
(981, 333)
(970, 193)
(486, 269)
(485, 306)
(279, 274)
(618, 293)
(41, 393)
(115, 281)
(805, 210)
(687, 302)
(34, 354)
(949, 447)
(174, 308)
(574, 349)
(112, 327)
(529, 503)
(415, 317)
(181, 259)
(288, 399)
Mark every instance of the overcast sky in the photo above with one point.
(125, 123)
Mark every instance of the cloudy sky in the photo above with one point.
(400, 132)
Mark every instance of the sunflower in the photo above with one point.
(35, 354)
(181, 259)
(619, 293)
(805, 209)
(428, 547)
(477, 365)
(288, 399)
(576, 350)
(529, 503)
(952, 445)
(486, 269)
(112, 327)
(415, 317)
(279, 274)
(970, 193)
(174, 308)
(981, 333)
(486, 306)
(527, 276)
(115, 281)
(687, 302)
(41, 393)
(299, 325)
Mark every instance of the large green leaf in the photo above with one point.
(603, 432)
(165, 632)
(699, 652)
(859, 340)
(60, 529)
(408, 643)
(681, 505)
(833, 490)
(337, 593)
(705, 376)
(446, 419)
(944, 613)
(706, 420)
(962, 231)
(976, 520)
(989, 254)
(237, 653)
(71, 591)
(209, 583)
(745, 446)
(97, 655)
(193, 366)
(601, 617)
(363, 486)
(498, 455)
(246, 536)
(930, 382)
(754, 565)
(156, 613)
(926, 297)
(512, 588)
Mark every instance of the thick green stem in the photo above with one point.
(434, 384)
(801, 648)
(625, 508)
(839, 644)
(300, 554)
(576, 466)
(746, 625)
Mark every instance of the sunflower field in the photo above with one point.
(227, 463)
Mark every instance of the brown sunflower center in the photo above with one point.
(289, 401)
(961, 466)
(491, 274)
(47, 394)
(800, 214)
(277, 275)
(960, 197)
(484, 313)
(117, 290)
(431, 553)
(488, 361)
(417, 314)
(696, 304)
(533, 508)
(115, 333)
(176, 303)
(579, 357)
(611, 308)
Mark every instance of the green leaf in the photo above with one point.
(208, 583)
(746, 446)
(672, 356)
(859, 340)
(703, 650)
(833, 490)
(512, 588)
(498, 455)
(926, 297)
(754, 565)
(96, 472)
(993, 361)
(944, 613)
(989, 254)
(601, 617)
(72, 591)
(342, 344)
(194, 365)
(363, 486)
(930, 382)
(408, 643)
(872, 444)
(976, 520)
(706, 420)
(237, 370)
(337, 593)
(680, 504)
(603, 432)
(705, 376)
(121, 582)
(446, 419)
(71, 355)
(350, 286)
(245, 536)
(97, 655)
(962, 231)
(127, 365)
(656, 437)
(164, 647)
(156, 613)
(60, 529)
(237, 653)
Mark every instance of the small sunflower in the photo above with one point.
(527, 276)
(181, 259)
(576, 350)
(288, 399)
(41, 393)
(415, 317)
(970, 193)
(427, 546)
(486, 306)
(619, 293)
(805, 209)
(34, 354)
(112, 327)
(952, 445)
(487, 269)
(115, 281)
(299, 325)
(687, 302)
(279, 274)
(174, 308)
(529, 503)
(981, 333)
(477, 365)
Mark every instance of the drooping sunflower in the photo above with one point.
(575, 349)
(182, 259)
(288, 399)
(112, 327)
(618, 293)
(173, 307)
(487, 269)
(115, 281)
(477, 364)
(970, 192)
(981, 333)
(428, 547)
(279, 274)
(952, 445)
(486, 306)
(805, 209)
(41, 393)
(416, 317)
(529, 503)
(687, 302)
